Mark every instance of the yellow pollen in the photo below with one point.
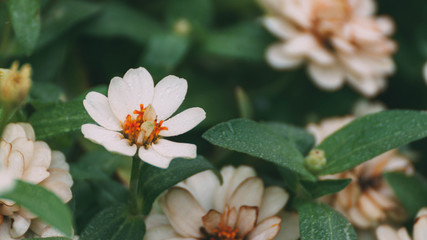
(136, 130)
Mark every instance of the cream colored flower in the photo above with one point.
(368, 200)
(136, 115)
(339, 39)
(201, 209)
(15, 84)
(385, 232)
(32, 161)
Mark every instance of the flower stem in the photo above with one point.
(133, 187)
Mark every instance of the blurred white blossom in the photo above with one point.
(200, 208)
(136, 115)
(23, 158)
(368, 200)
(386, 232)
(339, 39)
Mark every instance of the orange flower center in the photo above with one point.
(224, 233)
(144, 129)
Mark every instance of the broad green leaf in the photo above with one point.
(63, 15)
(197, 12)
(59, 119)
(246, 41)
(319, 221)
(325, 187)
(115, 223)
(303, 140)
(25, 18)
(97, 165)
(165, 51)
(252, 138)
(43, 203)
(118, 20)
(410, 190)
(371, 135)
(153, 181)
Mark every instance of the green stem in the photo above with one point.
(133, 187)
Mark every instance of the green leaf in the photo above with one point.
(97, 165)
(319, 221)
(25, 18)
(49, 238)
(303, 140)
(252, 138)
(410, 190)
(59, 119)
(165, 51)
(153, 181)
(114, 223)
(247, 41)
(43, 203)
(325, 187)
(371, 135)
(197, 12)
(119, 20)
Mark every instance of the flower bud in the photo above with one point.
(315, 160)
(14, 84)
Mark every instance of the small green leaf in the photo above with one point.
(153, 181)
(114, 223)
(252, 138)
(319, 221)
(43, 203)
(410, 190)
(25, 18)
(371, 135)
(59, 119)
(325, 187)
(303, 139)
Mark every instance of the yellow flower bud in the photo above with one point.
(14, 84)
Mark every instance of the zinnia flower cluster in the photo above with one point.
(339, 39)
(136, 115)
(201, 208)
(368, 200)
(23, 158)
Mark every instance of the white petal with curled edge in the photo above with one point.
(58, 161)
(160, 232)
(120, 98)
(274, 200)
(35, 175)
(16, 165)
(154, 158)
(5, 230)
(183, 122)
(219, 197)
(239, 175)
(184, 212)
(168, 96)
(248, 193)
(28, 129)
(211, 221)
(24, 146)
(112, 141)
(42, 155)
(280, 27)
(403, 234)
(266, 229)
(301, 45)
(141, 84)
(326, 77)
(98, 107)
(278, 59)
(385, 232)
(420, 227)
(13, 131)
(173, 149)
(19, 226)
(246, 220)
(7, 182)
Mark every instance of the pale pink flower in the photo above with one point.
(385, 232)
(199, 208)
(338, 39)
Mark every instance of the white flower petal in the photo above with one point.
(183, 122)
(58, 161)
(420, 226)
(220, 196)
(160, 232)
(98, 107)
(274, 200)
(184, 212)
(122, 101)
(248, 193)
(404, 235)
(19, 226)
(141, 84)
(28, 129)
(16, 165)
(173, 149)
(35, 175)
(364, 8)
(301, 45)
(154, 158)
(385, 232)
(7, 182)
(280, 27)
(326, 77)
(112, 141)
(42, 155)
(24, 146)
(168, 96)
(266, 229)
(289, 227)
(211, 221)
(241, 174)
(246, 220)
(13, 131)
(279, 59)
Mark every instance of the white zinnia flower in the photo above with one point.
(201, 209)
(385, 232)
(136, 115)
(368, 200)
(340, 39)
(33, 161)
